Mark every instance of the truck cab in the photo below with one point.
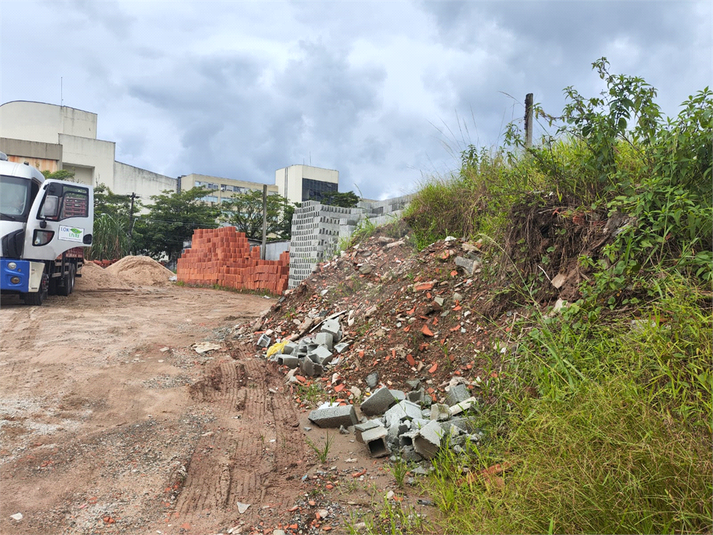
(43, 226)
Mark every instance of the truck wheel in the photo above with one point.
(67, 285)
(37, 298)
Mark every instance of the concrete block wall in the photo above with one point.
(316, 231)
(318, 228)
(223, 256)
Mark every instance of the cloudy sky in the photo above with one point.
(386, 92)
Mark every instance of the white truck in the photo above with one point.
(44, 225)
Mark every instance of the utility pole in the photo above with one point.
(264, 221)
(528, 120)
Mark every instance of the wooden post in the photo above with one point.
(528, 120)
(264, 222)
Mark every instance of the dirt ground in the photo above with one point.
(112, 422)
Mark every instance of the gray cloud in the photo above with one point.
(385, 92)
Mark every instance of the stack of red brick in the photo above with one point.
(223, 256)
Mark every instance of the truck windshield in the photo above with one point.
(14, 198)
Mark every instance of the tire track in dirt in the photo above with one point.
(253, 448)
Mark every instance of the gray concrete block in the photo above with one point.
(415, 396)
(440, 412)
(378, 402)
(403, 410)
(263, 341)
(325, 339)
(465, 424)
(398, 395)
(428, 440)
(408, 453)
(463, 406)
(361, 428)
(341, 347)
(334, 416)
(311, 368)
(288, 360)
(289, 348)
(375, 440)
(456, 394)
(333, 327)
(319, 353)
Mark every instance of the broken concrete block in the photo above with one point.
(319, 354)
(398, 395)
(409, 454)
(289, 348)
(403, 410)
(288, 360)
(263, 341)
(468, 265)
(325, 339)
(375, 440)
(465, 424)
(416, 396)
(456, 394)
(341, 347)
(311, 368)
(361, 428)
(413, 383)
(463, 406)
(378, 402)
(428, 440)
(334, 416)
(332, 327)
(440, 412)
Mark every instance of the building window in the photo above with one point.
(209, 198)
(315, 189)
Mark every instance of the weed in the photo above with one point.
(399, 469)
(310, 394)
(323, 450)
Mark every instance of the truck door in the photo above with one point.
(61, 217)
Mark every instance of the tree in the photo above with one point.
(60, 174)
(113, 218)
(345, 200)
(171, 220)
(244, 211)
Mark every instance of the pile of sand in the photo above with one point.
(95, 277)
(140, 271)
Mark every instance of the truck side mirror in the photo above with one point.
(50, 208)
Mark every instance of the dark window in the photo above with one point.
(314, 190)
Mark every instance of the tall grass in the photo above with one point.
(603, 412)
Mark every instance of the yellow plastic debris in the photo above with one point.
(276, 348)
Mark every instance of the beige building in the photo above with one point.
(52, 137)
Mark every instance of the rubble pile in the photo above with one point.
(397, 340)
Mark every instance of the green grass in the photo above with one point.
(322, 450)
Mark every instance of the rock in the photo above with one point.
(204, 347)
(372, 379)
(457, 394)
(468, 265)
(457, 297)
(558, 281)
(17, 516)
(366, 269)
(242, 507)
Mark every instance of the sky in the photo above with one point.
(387, 92)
